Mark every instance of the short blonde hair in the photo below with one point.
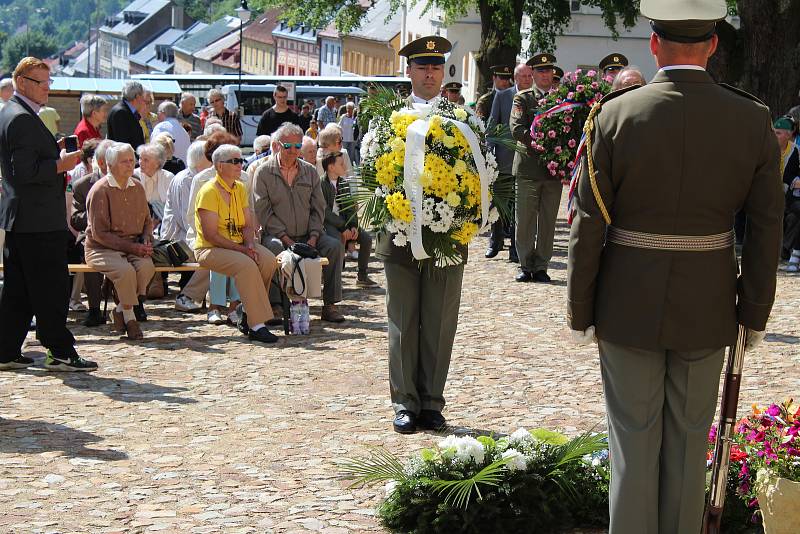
(28, 64)
(329, 136)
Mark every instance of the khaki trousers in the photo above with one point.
(660, 405)
(130, 274)
(252, 279)
(422, 312)
(536, 213)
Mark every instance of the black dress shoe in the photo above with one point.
(263, 335)
(138, 310)
(405, 422)
(492, 251)
(94, 318)
(541, 277)
(512, 256)
(431, 420)
(523, 276)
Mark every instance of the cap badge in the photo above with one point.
(430, 45)
(616, 58)
(544, 58)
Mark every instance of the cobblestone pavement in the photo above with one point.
(196, 430)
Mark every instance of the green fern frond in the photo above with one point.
(380, 466)
(458, 493)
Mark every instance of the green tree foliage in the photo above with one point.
(208, 11)
(16, 48)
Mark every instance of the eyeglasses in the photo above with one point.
(234, 161)
(287, 146)
(48, 82)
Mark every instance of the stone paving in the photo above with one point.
(196, 430)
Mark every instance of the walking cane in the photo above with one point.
(725, 428)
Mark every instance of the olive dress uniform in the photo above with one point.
(538, 193)
(484, 104)
(678, 157)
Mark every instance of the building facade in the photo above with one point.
(185, 50)
(372, 49)
(258, 45)
(330, 52)
(297, 50)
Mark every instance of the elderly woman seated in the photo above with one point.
(173, 163)
(226, 244)
(153, 176)
(119, 237)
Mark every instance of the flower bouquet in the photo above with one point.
(427, 178)
(537, 481)
(765, 448)
(557, 127)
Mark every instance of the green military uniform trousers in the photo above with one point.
(536, 213)
(422, 310)
(660, 406)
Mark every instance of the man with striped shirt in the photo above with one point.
(230, 120)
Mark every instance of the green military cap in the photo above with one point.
(558, 73)
(428, 50)
(453, 86)
(684, 21)
(613, 61)
(503, 71)
(542, 60)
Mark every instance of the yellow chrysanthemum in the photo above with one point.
(386, 169)
(471, 185)
(461, 142)
(460, 114)
(443, 179)
(435, 130)
(453, 198)
(399, 206)
(400, 123)
(449, 141)
(466, 233)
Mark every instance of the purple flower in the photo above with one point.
(774, 410)
(712, 434)
(570, 95)
(580, 88)
(595, 85)
(571, 164)
(568, 120)
(592, 73)
(571, 143)
(552, 165)
(551, 134)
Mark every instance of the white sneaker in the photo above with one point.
(353, 255)
(793, 268)
(76, 305)
(185, 304)
(214, 317)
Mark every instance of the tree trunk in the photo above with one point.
(763, 55)
(500, 37)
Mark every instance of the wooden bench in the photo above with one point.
(188, 267)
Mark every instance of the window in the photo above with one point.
(280, 70)
(302, 72)
(575, 6)
(290, 71)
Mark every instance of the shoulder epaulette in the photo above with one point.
(741, 92)
(524, 91)
(618, 92)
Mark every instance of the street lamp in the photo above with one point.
(244, 16)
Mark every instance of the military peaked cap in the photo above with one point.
(428, 50)
(558, 73)
(684, 21)
(613, 61)
(453, 86)
(503, 71)
(542, 60)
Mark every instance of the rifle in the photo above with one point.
(722, 449)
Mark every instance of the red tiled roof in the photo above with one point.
(260, 29)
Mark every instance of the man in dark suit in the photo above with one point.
(653, 273)
(33, 214)
(123, 119)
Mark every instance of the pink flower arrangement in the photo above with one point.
(560, 117)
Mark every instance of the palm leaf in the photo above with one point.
(569, 453)
(380, 466)
(459, 492)
(500, 134)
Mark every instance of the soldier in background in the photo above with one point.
(612, 64)
(501, 79)
(452, 90)
(652, 268)
(538, 192)
(558, 73)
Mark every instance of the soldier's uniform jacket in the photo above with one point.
(680, 156)
(484, 105)
(386, 250)
(527, 165)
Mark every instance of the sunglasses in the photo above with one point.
(234, 161)
(287, 146)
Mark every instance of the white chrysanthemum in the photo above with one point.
(520, 435)
(460, 114)
(464, 448)
(379, 192)
(518, 461)
(400, 240)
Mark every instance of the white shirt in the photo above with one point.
(113, 182)
(348, 126)
(156, 187)
(173, 127)
(418, 100)
(682, 67)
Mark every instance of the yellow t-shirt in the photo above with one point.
(231, 217)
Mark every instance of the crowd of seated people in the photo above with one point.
(135, 190)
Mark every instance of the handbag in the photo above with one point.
(304, 250)
(170, 253)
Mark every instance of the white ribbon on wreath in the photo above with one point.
(414, 164)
